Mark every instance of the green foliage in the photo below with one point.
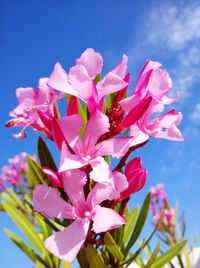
(35, 174)
(95, 260)
(169, 255)
(112, 247)
(139, 224)
(45, 156)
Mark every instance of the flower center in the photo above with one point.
(87, 214)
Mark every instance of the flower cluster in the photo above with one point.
(158, 204)
(101, 122)
(15, 171)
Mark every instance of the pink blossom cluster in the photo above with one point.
(15, 171)
(158, 204)
(92, 187)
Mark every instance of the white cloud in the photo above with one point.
(170, 33)
(195, 115)
(173, 25)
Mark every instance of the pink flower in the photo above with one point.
(80, 81)
(136, 177)
(83, 211)
(2, 183)
(155, 83)
(31, 102)
(159, 203)
(77, 152)
(14, 172)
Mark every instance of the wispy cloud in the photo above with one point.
(170, 33)
(195, 115)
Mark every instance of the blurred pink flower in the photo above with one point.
(15, 171)
(159, 203)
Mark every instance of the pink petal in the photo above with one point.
(121, 184)
(48, 202)
(138, 135)
(72, 107)
(80, 81)
(110, 83)
(99, 193)
(121, 68)
(148, 68)
(67, 243)
(53, 176)
(92, 61)
(70, 126)
(172, 133)
(136, 113)
(101, 171)
(59, 81)
(97, 125)
(26, 93)
(116, 147)
(70, 161)
(106, 219)
(58, 135)
(73, 181)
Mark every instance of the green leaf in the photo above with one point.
(131, 219)
(15, 198)
(8, 199)
(25, 225)
(153, 256)
(112, 247)
(35, 174)
(66, 264)
(82, 258)
(139, 224)
(169, 255)
(94, 258)
(145, 242)
(45, 156)
(83, 113)
(46, 230)
(24, 247)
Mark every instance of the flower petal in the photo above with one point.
(92, 61)
(59, 81)
(97, 125)
(106, 219)
(70, 126)
(99, 193)
(116, 147)
(110, 83)
(70, 161)
(121, 67)
(73, 181)
(80, 80)
(67, 243)
(47, 201)
(101, 171)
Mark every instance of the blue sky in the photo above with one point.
(36, 34)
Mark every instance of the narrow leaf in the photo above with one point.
(139, 224)
(153, 256)
(35, 174)
(169, 255)
(112, 247)
(131, 219)
(94, 258)
(25, 225)
(45, 156)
